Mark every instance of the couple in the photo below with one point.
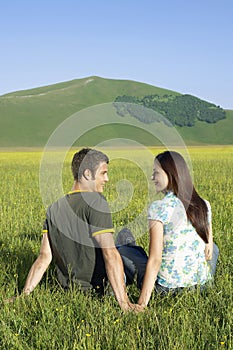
(77, 235)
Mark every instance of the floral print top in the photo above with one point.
(183, 258)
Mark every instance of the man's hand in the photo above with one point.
(11, 299)
(25, 292)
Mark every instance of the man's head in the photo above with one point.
(88, 164)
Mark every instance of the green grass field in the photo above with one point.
(53, 319)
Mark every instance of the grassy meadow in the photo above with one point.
(51, 318)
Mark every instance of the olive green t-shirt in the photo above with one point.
(72, 223)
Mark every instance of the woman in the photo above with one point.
(181, 241)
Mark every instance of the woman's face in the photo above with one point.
(159, 177)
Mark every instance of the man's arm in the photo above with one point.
(153, 263)
(39, 266)
(115, 270)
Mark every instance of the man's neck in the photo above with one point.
(80, 186)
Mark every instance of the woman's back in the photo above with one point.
(183, 258)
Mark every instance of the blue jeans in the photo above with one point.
(213, 261)
(134, 260)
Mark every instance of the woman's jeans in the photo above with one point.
(135, 260)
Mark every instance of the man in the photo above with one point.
(78, 234)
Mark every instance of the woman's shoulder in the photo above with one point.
(162, 207)
(168, 199)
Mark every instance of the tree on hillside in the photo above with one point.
(181, 110)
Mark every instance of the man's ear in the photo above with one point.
(87, 174)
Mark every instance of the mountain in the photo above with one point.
(29, 117)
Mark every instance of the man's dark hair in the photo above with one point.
(87, 158)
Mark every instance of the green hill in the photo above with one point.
(29, 117)
(220, 133)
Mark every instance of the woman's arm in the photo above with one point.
(209, 245)
(154, 261)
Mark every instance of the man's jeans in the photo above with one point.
(134, 259)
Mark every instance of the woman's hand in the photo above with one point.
(208, 251)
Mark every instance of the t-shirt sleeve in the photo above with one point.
(45, 227)
(100, 218)
(157, 211)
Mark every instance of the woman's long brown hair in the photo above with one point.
(180, 183)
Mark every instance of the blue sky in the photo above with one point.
(182, 45)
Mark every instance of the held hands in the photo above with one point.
(127, 306)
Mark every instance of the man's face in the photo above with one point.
(101, 177)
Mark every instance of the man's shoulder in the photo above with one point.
(92, 196)
(88, 200)
(94, 200)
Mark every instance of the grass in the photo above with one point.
(53, 319)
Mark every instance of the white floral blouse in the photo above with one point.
(183, 259)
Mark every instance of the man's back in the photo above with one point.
(72, 222)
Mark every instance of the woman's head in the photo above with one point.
(159, 177)
(178, 175)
